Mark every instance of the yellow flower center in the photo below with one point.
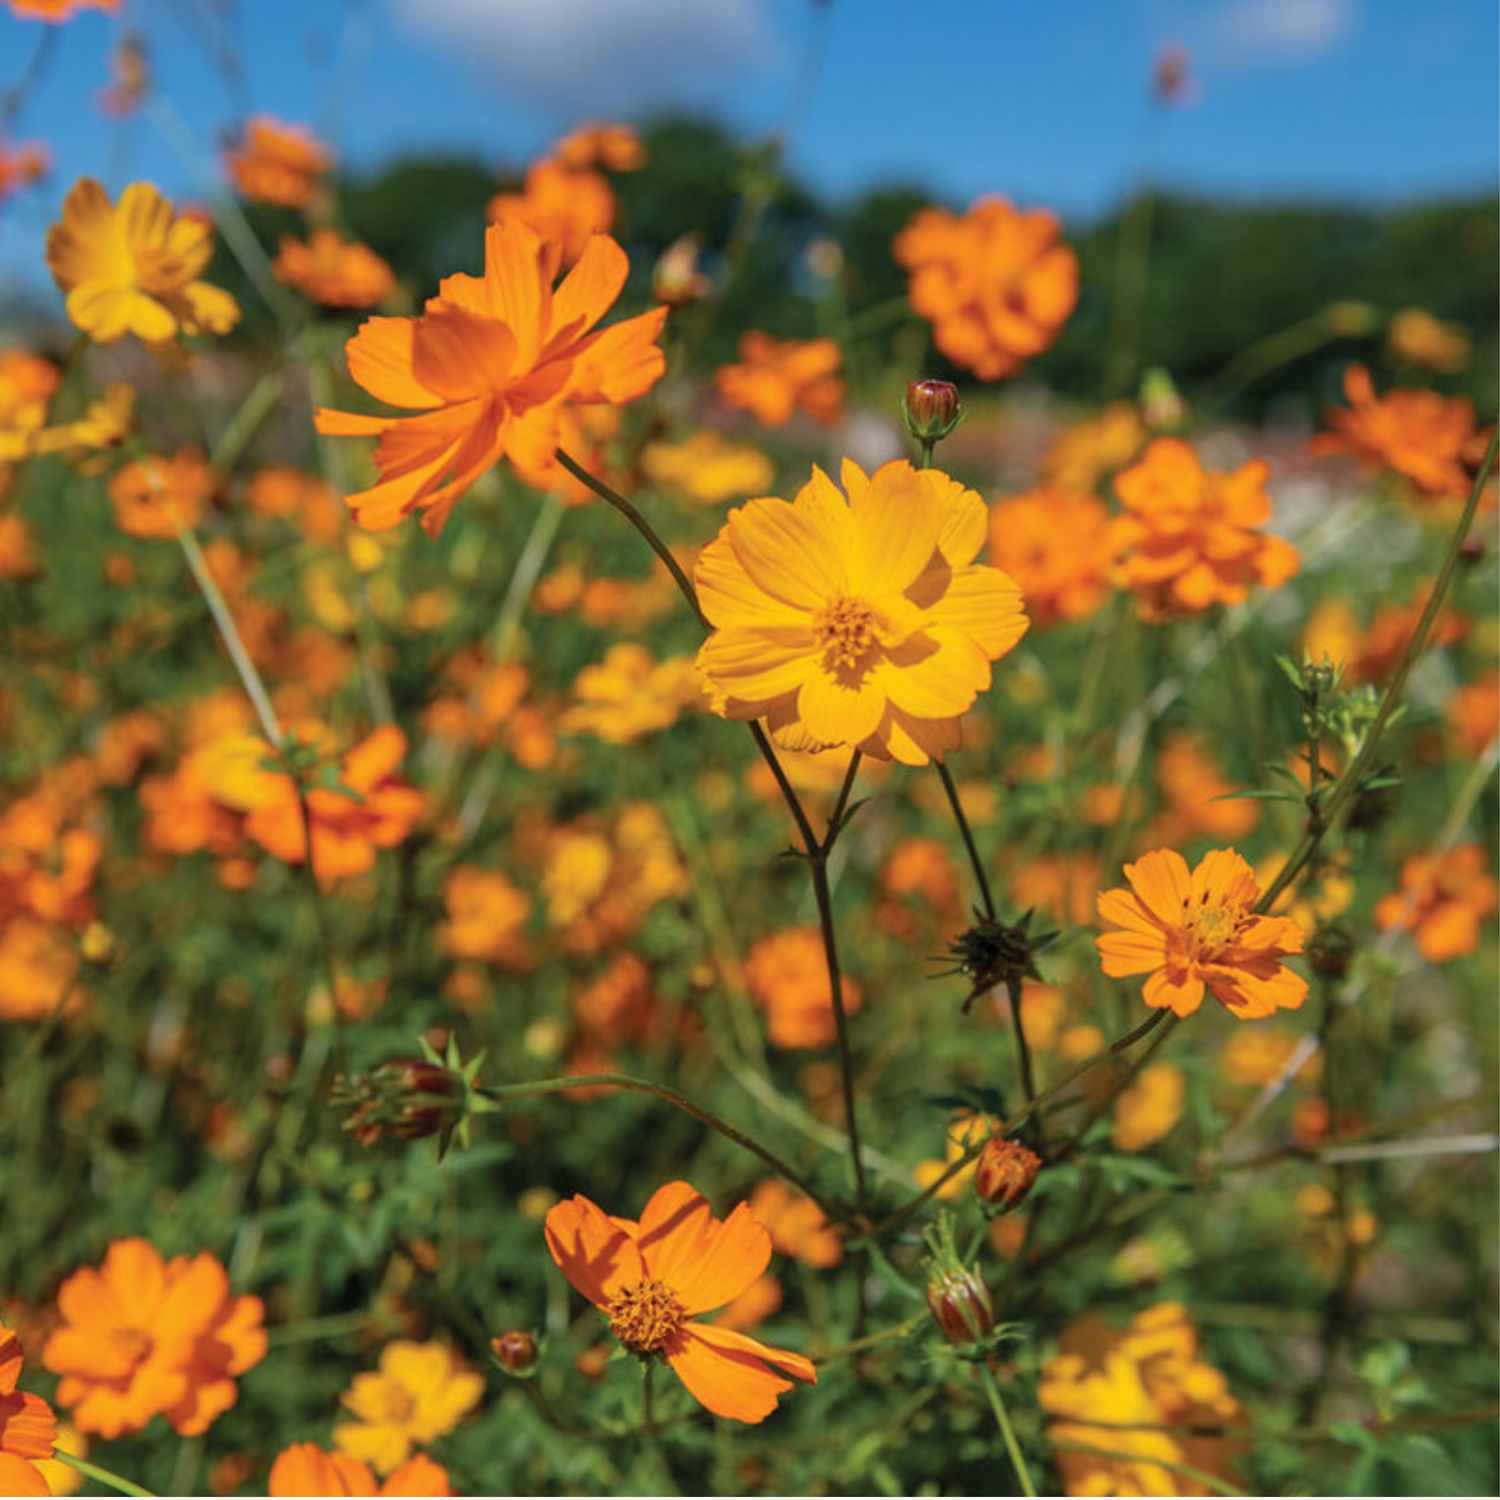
(158, 270)
(1212, 928)
(846, 629)
(398, 1404)
(131, 1342)
(646, 1317)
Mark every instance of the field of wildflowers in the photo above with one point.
(601, 894)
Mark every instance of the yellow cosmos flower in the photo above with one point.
(630, 694)
(708, 468)
(862, 622)
(134, 267)
(419, 1393)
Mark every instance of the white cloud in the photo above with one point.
(1282, 31)
(573, 58)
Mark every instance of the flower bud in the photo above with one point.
(1161, 403)
(407, 1098)
(516, 1352)
(931, 410)
(1005, 1171)
(962, 1306)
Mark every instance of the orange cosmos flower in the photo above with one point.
(564, 206)
(1057, 544)
(277, 163)
(1415, 337)
(1147, 1110)
(597, 144)
(997, 284)
(306, 1469)
(22, 164)
(27, 385)
(863, 622)
(787, 976)
(1191, 785)
(1195, 930)
(346, 831)
(132, 79)
(1190, 537)
(1443, 899)
(1419, 434)
(300, 496)
(1078, 458)
(60, 10)
(1474, 713)
(155, 497)
(142, 1336)
(796, 1225)
(486, 914)
(774, 379)
(651, 1278)
(333, 271)
(491, 365)
(38, 965)
(28, 1429)
(134, 267)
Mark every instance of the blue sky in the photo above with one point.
(1348, 100)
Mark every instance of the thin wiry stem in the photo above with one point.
(104, 1476)
(1363, 762)
(816, 850)
(1002, 1421)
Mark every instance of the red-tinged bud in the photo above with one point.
(516, 1352)
(931, 410)
(962, 1306)
(1473, 549)
(406, 1098)
(1005, 1171)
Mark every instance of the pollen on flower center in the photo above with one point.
(1211, 929)
(846, 628)
(646, 1317)
(131, 1343)
(399, 1404)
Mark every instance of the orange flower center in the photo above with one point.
(399, 1404)
(846, 629)
(646, 1317)
(157, 270)
(1212, 928)
(131, 1342)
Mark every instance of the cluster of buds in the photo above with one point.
(411, 1098)
(992, 952)
(515, 1352)
(957, 1296)
(931, 411)
(1004, 1172)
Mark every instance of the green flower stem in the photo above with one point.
(255, 689)
(1202, 1476)
(1347, 784)
(103, 1476)
(815, 850)
(500, 1093)
(981, 879)
(1002, 1421)
(1014, 1121)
